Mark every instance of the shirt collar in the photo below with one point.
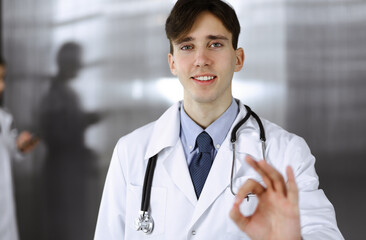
(217, 130)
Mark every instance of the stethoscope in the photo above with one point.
(145, 222)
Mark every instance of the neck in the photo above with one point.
(63, 76)
(205, 113)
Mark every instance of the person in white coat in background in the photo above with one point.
(192, 140)
(12, 146)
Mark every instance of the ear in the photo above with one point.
(172, 64)
(239, 59)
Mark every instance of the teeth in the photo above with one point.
(205, 78)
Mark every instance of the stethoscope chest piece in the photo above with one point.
(144, 223)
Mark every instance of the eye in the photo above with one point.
(186, 47)
(216, 45)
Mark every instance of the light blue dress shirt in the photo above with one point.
(189, 130)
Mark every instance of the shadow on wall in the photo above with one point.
(70, 166)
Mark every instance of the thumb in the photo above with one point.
(239, 219)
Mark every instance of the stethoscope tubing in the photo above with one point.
(262, 137)
(145, 222)
(146, 191)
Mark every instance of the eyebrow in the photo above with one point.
(215, 37)
(183, 40)
(210, 37)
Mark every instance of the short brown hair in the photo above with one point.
(185, 13)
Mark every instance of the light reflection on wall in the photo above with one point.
(170, 89)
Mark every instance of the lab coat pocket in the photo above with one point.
(157, 211)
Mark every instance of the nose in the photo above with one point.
(202, 58)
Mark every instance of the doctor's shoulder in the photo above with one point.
(276, 132)
(285, 145)
(136, 140)
(5, 116)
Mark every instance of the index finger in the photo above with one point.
(250, 186)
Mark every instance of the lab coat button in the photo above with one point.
(193, 232)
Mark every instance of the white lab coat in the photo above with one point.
(175, 209)
(8, 226)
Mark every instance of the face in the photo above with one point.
(2, 75)
(205, 61)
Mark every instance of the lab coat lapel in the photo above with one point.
(216, 183)
(165, 141)
(166, 131)
(175, 165)
(219, 177)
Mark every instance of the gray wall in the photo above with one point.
(326, 75)
(304, 70)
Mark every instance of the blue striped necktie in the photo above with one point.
(201, 163)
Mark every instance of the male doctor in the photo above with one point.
(190, 194)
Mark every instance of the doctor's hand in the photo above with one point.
(26, 142)
(277, 214)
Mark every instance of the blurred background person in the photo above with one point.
(12, 146)
(69, 163)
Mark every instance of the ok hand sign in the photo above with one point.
(277, 214)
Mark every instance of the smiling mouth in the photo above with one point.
(204, 78)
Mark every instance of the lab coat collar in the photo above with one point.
(167, 127)
(166, 131)
(165, 142)
(166, 134)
